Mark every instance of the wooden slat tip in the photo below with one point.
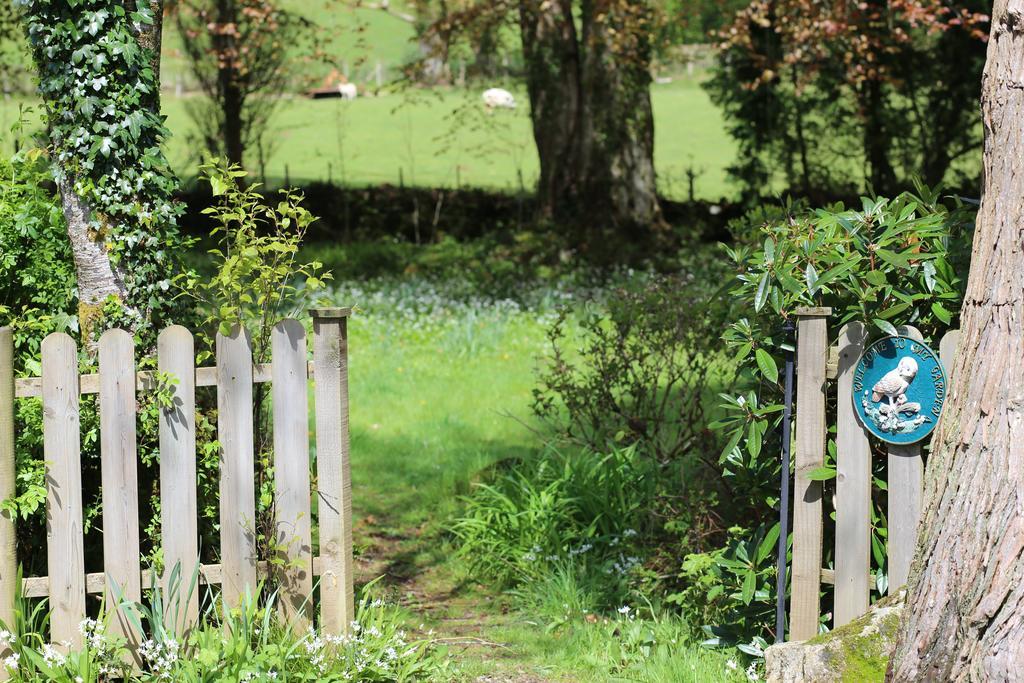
(812, 311)
(337, 312)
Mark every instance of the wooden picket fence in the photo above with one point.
(818, 364)
(234, 375)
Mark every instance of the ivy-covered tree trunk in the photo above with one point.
(965, 612)
(98, 68)
(589, 87)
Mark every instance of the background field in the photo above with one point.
(444, 137)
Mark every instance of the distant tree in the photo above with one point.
(964, 619)
(800, 81)
(243, 54)
(587, 73)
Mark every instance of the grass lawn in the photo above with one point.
(440, 385)
(443, 137)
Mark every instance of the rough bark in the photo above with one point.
(587, 74)
(618, 127)
(965, 618)
(551, 53)
(96, 276)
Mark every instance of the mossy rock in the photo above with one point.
(855, 653)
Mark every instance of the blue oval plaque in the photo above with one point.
(899, 388)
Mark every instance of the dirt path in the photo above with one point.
(462, 616)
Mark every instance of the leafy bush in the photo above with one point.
(644, 369)
(558, 510)
(891, 261)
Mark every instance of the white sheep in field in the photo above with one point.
(348, 91)
(498, 98)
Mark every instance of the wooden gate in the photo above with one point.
(234, 375)
(818, 365)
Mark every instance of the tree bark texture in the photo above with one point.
(96, 276)
(965, 613)
(587, 73)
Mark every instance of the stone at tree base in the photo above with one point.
(856, 653)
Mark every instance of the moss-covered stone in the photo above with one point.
(855, 653)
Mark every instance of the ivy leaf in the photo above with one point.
(767, 365)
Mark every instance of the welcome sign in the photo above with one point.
(899, 388)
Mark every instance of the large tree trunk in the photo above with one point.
(96, 276)
(551, 53)
(618, 130)
(876, 140)
(590, 107)
(965, 618)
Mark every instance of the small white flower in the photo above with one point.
(625, 609)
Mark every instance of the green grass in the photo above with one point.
(443, 137)
(440, 383)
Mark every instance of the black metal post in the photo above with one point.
(787, 418)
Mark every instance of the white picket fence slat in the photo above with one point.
(853, 487)
(62, 452)
(851, 575)
(291, 469)
(117, 383)
(119, 475)
(178, 508)
(334, 483)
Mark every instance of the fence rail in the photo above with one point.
(117, 384)
(817, 365)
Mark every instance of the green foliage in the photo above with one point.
(730, 590)
(101, 99)
(576, 509)
(248, 643)
(256, 280)
(646, 359)
(888, 263)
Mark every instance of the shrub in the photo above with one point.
(580, 510)
(889, 262)
(644, 368)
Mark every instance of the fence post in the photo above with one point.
(853, 487)
(334, 484)
(8, 558)
(812, 351)
(906, 487)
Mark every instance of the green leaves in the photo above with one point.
(767, 366)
